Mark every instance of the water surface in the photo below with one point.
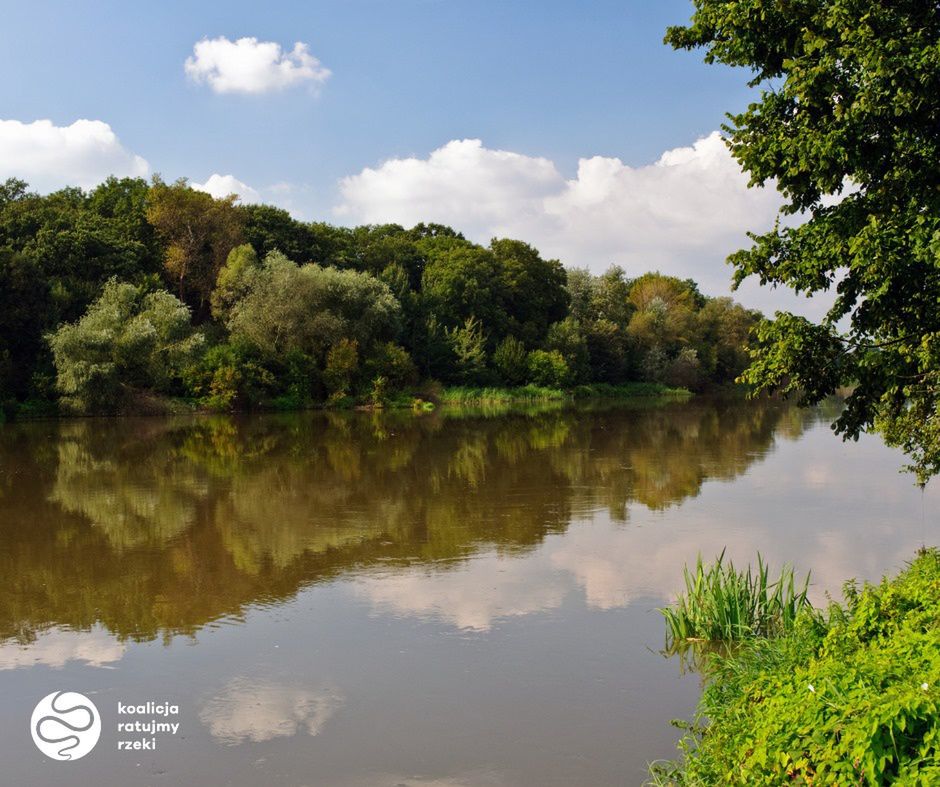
(384, 599)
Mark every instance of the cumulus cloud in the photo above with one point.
(50, 157)
(472, 597)
(57, 647)
(222, 185)
(252, 66)
(249, 709)
(682, 214)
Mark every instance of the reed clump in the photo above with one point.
(722, 604)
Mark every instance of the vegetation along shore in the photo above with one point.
(140, 297)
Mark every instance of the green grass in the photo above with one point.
(722, 604)
(464, 395)
(633, 390)
(851, 696)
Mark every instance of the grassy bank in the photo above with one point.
(464, 396)
(846, 696)
(419, 400)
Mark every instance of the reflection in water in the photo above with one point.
(56, 647)
(157, 527)
(260, 709)
(367, 600)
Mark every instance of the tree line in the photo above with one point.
(140, 290)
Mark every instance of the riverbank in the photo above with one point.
(850, 696)
(422, 399)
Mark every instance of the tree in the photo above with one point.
(567, 338)
(531, 290)
(468, 344)
(268, 229)
(663, 322)
(848, 127)
(461, 281)
(308, 309)
(511, 361)
(724, 331)
(234, 280)
(198, 232)
(24, 300)
(342, 362)
(128, 339)
(548, 368)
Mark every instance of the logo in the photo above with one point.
(65, 725)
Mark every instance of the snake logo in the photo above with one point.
(65, 725)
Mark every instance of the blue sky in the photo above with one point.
(549, 84)
(555, 79)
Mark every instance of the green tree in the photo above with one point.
(342, 363)
(663, 322)
(548, 368)
(234, 280)
(393, 363)
(850, 98)
(511, 361)
(567, 338)
(468, 344)
(127, 340)
(308, 309)
(531, 290)
(461, 281)
(268, 229)
(24, 300)
(198, 232)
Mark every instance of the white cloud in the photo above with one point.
(252, 66)
(249, 709)
(222, 185)
(50, 157)
(471, 597)
(682, 214)
(57, 647)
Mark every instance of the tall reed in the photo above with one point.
(721, 604)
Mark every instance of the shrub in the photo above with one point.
(685, 370)
(127, 339)
(854, 699)
(228, 378)
(547, 368)
(468, 345)
(391, 361)
(342, 362)
(510, 359)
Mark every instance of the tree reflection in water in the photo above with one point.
(156, 527)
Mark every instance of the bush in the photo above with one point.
(391, 361)
(468, 345)
(685, 370)
(342, 362)
(852, 700)
(547, 368)
(228, 378)
(127, 339)
(510, 360)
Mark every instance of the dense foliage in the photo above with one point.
(848, 127)
(137, 289)
(846, 698)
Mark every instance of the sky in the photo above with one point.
(568, 125)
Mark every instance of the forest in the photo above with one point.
(140, 293)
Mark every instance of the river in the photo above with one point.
(394, 599)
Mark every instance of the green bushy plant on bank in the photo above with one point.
(851, 696)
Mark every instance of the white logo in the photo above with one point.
(65, 725)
